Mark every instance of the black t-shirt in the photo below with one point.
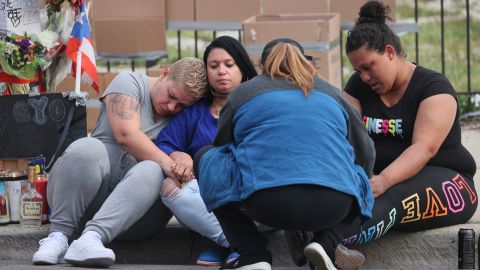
(391, 128)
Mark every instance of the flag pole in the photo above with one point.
(78, 70)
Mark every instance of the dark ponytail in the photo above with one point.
(371, 30)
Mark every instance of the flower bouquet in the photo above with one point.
(20, 55)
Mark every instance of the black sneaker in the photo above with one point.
(296, 243)
(246, 263)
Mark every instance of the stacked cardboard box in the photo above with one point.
(297, 6)
(123, 27)
(225, 10)
(237, 11)
(317, 32)
(180, 10)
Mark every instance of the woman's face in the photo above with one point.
(222, 71)
(377, 70)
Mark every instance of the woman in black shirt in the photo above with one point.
(423, 175)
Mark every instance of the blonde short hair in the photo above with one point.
(191, 73)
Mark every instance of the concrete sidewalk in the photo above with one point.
(434, 249)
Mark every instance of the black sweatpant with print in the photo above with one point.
(435, 197)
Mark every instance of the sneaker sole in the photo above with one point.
(96, 262)
(204, 263)
(318, 257)
(256, 266)
(42, 260)
(348, 259)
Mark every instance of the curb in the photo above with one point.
(175, 245)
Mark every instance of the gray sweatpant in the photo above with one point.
(100, 186)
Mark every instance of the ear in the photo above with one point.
(165, 73)
(390, 51)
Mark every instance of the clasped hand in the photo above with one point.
(378, 184)
(182, 168)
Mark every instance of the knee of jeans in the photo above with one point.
(192, 185)
(170, 188)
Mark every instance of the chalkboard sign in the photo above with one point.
(33, 125)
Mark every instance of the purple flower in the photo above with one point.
(25, 43)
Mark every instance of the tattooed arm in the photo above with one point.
(123, 113)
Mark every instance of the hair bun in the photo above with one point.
(373, 12)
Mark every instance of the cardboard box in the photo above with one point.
(107, 78)
(68, 85)
(326, 63)
(92, 117)
(309, 27)
(297, 6)
(180, 10)
(130, 36)
(349, 9)
(14, 164)
(226, 10)
(124, 27)
(114, 9)
(319, 37)
(104, 79)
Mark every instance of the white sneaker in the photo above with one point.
(253, 266)
(51, 250)
(89, 252)
(318, 257)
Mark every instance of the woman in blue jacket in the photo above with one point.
(285, 156)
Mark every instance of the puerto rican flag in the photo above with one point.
(81, 39)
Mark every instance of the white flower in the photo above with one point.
(47, 38)
(9, 48)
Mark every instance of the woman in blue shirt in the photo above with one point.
(227, 65)
(291, 154)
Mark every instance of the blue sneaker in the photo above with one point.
(213, 256)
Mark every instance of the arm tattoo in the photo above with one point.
(124, 106)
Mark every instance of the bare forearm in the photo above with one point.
(142, 148)
(408, 164)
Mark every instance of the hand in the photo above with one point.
(182, 168)
(378, 184)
